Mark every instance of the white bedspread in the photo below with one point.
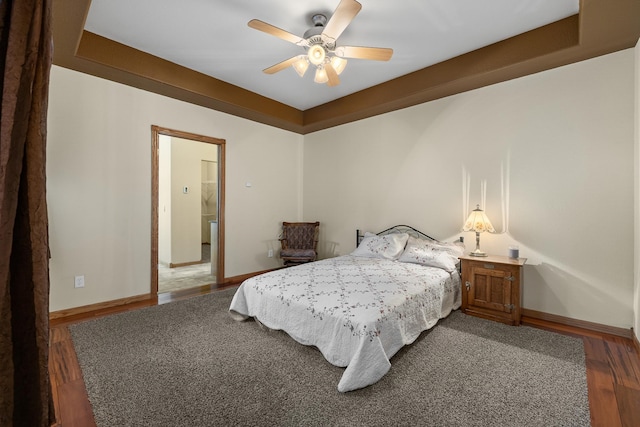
(357, 311)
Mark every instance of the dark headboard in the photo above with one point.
(396, 229)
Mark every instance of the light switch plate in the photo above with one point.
(78, 281)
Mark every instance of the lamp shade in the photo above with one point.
(301, 65)
(338, 64)
(321, 76)
(316, 54)
(478, 222)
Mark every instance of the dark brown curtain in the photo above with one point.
(25, 62)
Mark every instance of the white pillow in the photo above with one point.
(388, 246)
(431, 253)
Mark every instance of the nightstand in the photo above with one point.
(492, 287)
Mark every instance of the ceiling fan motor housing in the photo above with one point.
(319, 20)
(314, 36)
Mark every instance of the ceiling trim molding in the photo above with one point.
(511, 58)
(603, 26)
(136, 68)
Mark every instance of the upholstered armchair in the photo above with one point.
(299, 242)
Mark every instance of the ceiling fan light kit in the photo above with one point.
(320, 43)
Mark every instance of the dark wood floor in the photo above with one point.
(613, 369)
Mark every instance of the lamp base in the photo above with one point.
(478, 253)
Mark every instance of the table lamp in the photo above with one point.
(479, 223)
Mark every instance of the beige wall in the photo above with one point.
(553, 153)
(186, 209)
(99, 185)
(209, 202)
(164, 200)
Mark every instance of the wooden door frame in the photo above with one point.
(156, 131)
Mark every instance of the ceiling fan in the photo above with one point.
(320, 43)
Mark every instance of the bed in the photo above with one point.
(359, 309)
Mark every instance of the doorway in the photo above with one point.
(187, 209)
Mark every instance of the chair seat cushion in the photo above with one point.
(298, 253)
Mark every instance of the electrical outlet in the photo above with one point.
(78, 281)
(270, 253)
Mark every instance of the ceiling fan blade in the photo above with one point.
(280, 66)
(375, 53)
(341, 18)
(334, 80)
(256, 24)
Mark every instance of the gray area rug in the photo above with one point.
(189, 364)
